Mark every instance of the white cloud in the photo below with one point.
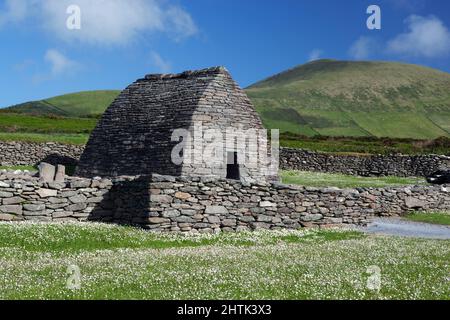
(162, 65)
(427, 37)
(363, 48)
(59, 63)
(315, 54)
(59, 66)
(107, 22)
(14, 11)
(180, 23)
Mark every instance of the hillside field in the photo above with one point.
(356, 98)
(325, 105)
(80, 104)
(23, 127)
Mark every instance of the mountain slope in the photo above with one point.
(80, 104)
(324, 97)
(345, 98)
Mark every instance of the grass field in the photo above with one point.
(79, 139)
(125, 263)
(22, 127)
(442, 218)
(80, 104)
(356, 98)
(14, 123)
(325, 105)
(324, 97)
(319, 179)
(399, 124)
(366, 145)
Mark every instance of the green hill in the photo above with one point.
(80, 104)
(324, 97)
(343, 98)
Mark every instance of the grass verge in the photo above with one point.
(29, 168)
(78, 139)
(366, 145)
(442, 218)
(319, 179)
(11, 122)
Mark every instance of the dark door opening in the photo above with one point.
(233, 166)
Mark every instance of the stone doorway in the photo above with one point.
(233, 170)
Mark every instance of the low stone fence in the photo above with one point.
(27, 198)
(361, 165)
(24, 153)
(28, 154)
(163, 203)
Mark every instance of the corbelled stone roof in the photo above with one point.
(134, 135)
(186, 74)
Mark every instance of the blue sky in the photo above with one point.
(122, 40)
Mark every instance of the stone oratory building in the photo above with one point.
(139, 134)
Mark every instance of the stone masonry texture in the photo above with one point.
(30, 154)
(201, 204)
(23, 153)
(370, 165)
(134, 135)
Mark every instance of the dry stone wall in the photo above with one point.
(164, 203)
(23, 198)
(25, 153)
(375, 165)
